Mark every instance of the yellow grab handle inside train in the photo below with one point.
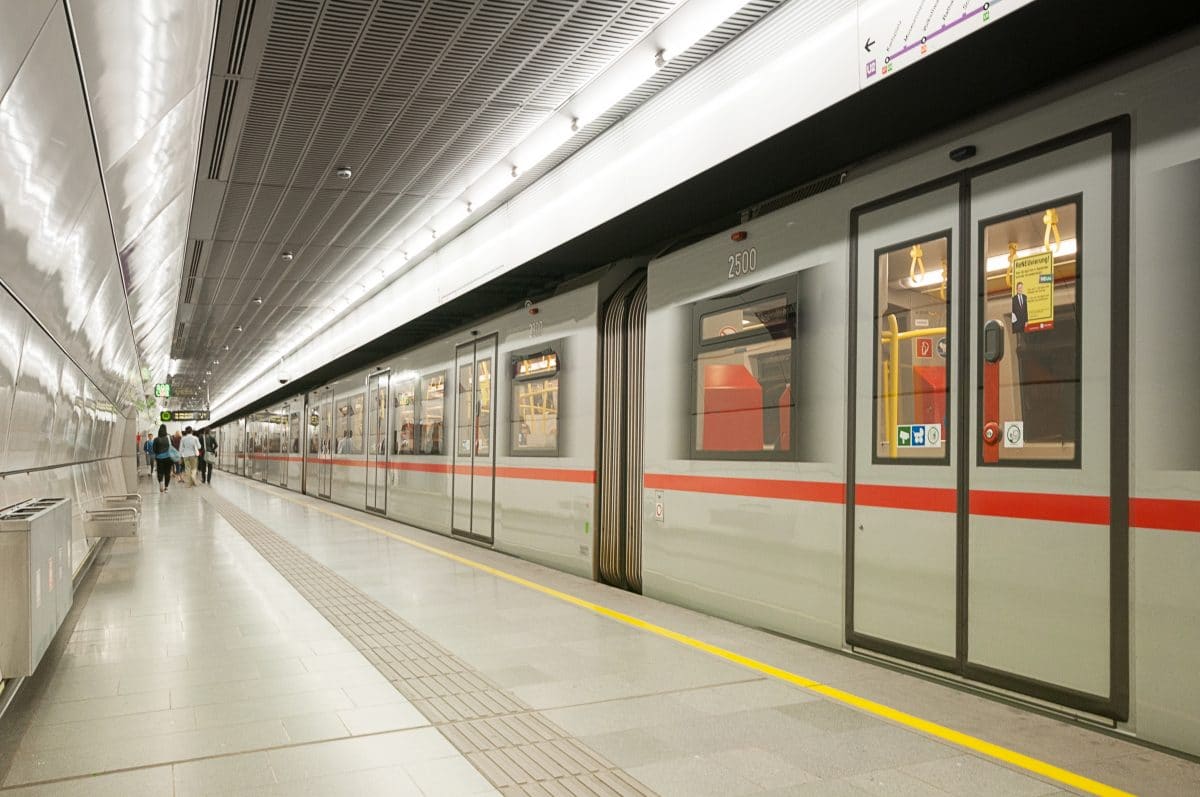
(892, 338)
(1050, 219)
(917, 264)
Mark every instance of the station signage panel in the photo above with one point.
(179, 416)
(162, 390)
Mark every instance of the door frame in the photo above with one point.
(492, 340)
(372, 461)
(1116, 705)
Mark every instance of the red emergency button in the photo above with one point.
(991, 433)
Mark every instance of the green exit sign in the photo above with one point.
(162, 390)
(165, 416)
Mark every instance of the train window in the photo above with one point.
(912, 303)
(350, 425)
(404, 414)
(431, 413)
(534, 425)
(1030, 268)
(744, 361)
(475, 407)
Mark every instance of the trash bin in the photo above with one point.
(35, 580)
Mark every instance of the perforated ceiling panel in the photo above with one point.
(417, 98)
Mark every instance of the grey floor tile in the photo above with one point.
(894, 783)
(388, 717)
(759, 693)
(152, 782)
(692, 776)
(223, 775)
(766, 769)
(448, 777)
(829, 716)
(632, 748)
(839, 755)
(971, 776)
(85, 733)
(315, 727)
(95, 708)
(363, 752)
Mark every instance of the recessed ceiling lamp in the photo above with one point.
(227, 346)
(238, 328)
(207, 373)
(216, 362)
(344, 172)
(287, 257)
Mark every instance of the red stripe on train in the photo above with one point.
(822, 492)
(1168, 514)
(1090, 509)
(925, 499)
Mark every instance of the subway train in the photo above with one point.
(938, 409)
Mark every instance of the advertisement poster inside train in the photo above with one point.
(1033, 293)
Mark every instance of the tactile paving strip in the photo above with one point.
(516, 748)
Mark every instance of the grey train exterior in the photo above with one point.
(862, 428)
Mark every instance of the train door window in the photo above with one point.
(1030, 271)
(484, 395)
(378, 444)
(350, 425)
(432, 413)
(404, 414)
(534, 425)
(744, 369)
(912, 304)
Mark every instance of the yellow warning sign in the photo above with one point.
(1033, 293)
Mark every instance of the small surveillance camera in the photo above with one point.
(283, 380)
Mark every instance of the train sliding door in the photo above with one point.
(283, 444)
(321, 447)
(376, 441)
(473, 482)
(905, 529)
(987, 529)
(1047, 538)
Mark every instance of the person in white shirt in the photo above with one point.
(189, 449)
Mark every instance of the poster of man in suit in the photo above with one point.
(1033, 293)
(1020, 308)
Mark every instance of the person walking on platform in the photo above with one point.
(201, 458)
(176, 439)
(210, 456)
(189, 449)
(148, 447)
(162, 458)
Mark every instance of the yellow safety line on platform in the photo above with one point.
(989, 749)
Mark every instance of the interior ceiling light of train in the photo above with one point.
(344, 142)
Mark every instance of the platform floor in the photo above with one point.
(254, 641)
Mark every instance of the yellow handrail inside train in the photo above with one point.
(892, 337)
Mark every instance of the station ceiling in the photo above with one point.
(415, 99)
(300, 88)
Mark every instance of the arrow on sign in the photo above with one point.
(869, 44)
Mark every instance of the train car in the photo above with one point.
(937, 409)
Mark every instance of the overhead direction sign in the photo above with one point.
(162, 390)
(166, 416)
